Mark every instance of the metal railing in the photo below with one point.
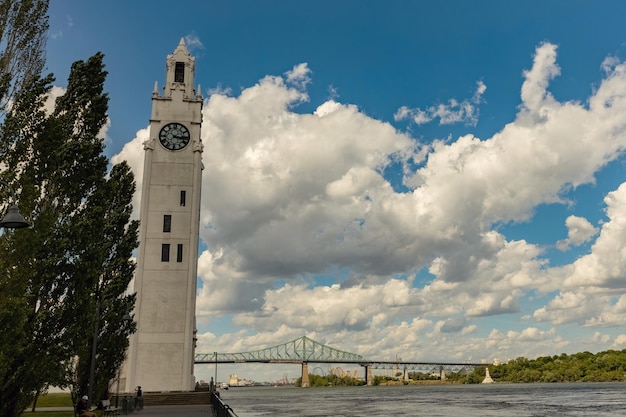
(219, 408)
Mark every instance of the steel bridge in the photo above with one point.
(305, 350)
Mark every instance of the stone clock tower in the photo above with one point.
(161, 353)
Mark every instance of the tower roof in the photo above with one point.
(181, 47)
(180, 70)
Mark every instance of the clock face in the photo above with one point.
(174, 136)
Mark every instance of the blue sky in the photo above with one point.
(436, 180)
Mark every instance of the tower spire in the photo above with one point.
(180, 68)
(182, 46)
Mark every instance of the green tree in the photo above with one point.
(67, 275)
(30, 346)
(108, 259)
(23, 30)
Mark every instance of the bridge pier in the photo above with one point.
(369, 379)
(305, 375)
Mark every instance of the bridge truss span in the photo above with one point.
(299, 350)
(428, 367)
(304, 351)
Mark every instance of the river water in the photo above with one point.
(503, 400)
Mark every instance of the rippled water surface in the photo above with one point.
(519, 400)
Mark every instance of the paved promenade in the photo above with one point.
(203, 410)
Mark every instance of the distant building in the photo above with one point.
(233, 380)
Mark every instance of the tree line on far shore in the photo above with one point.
(607, 366)
(604, 366)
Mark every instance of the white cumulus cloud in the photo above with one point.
(453, 111)
(292, 200)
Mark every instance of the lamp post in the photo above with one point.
(92, 364)
(94, 348)
(13, 219)
(126, 319)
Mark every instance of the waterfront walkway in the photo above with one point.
(201, 410)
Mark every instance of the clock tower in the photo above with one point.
(161, 353)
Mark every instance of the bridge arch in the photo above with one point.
(320, 368)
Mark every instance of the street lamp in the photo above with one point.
(92, 364)
(13, 219)
(126, 319)
(94, 348)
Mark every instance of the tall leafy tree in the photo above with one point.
(30, 345)
(23, 31)
(107, 261)
(66, 277)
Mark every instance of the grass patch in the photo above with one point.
(56, 399)
(53, 414)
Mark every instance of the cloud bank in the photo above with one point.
(304, 233)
